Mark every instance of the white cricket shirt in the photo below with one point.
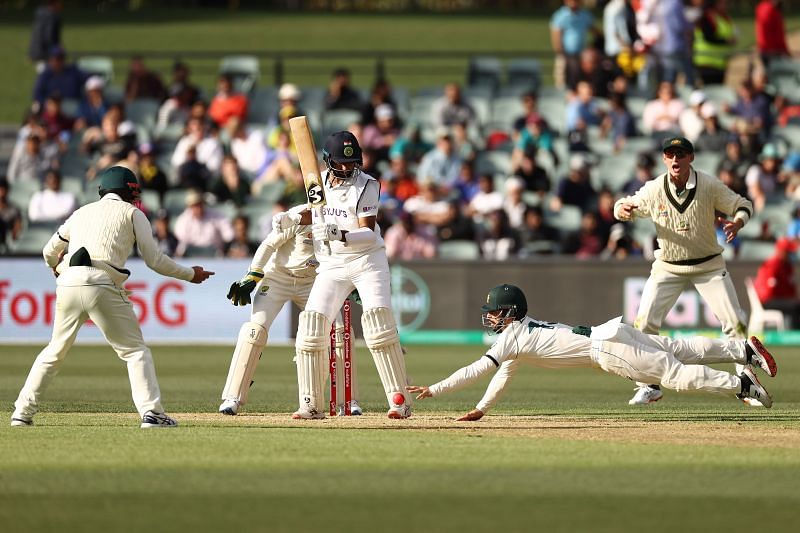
(347, 203)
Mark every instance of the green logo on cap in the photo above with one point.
(348, 151)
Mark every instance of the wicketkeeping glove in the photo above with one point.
(355, 297)
(326, 232)
(239, 293)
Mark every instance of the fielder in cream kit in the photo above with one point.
(283, 270)
(351, 253)
(88, 255)
(615, 347)
(683, 204)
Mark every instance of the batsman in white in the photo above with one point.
(350, 250)
(683, 204)
(88, 255)
(283, 269)
(614, 347)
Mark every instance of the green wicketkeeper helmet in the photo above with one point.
(507, 297)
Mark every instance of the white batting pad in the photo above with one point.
(249, 345)
(380, 334)
(312, 344)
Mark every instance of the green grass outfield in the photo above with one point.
(562, 452)
(168, 30)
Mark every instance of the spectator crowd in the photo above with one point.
(517, 171)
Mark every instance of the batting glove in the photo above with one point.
(326, 232)
(239, 293)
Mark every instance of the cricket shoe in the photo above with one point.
(20, 422)
(307, 414)
(151, 419)
(752, 389)
(355, 409)
(229, 407)
(757, 354)
(399, 412)
(646, 394)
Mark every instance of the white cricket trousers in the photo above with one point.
(677, 364)
(663, 288)
(273, 292)
(111, 311)
(369, 274)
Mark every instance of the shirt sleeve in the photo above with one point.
(152, 256)
(731, 203)
(639, 199)
(463, 376)
(498, 384)
(368, 203)
(272, 242)
(57, 244)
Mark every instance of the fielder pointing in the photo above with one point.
(88, 255)
(350, 250)
(283, 269)
(683, 204)
(614, 347)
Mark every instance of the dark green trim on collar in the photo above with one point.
(681, 207)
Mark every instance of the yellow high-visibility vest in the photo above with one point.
(714, 55)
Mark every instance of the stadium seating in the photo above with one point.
(760, 317)
(143, 112)
(337, 120)
(150, 200)
(756, 250)
(33, 239)
(493, 162)
(524, 73)
(504, 111)
(263, 105)
(102, 66)
(459, 250)
(244, 70)
(484, 71)
(567, 219)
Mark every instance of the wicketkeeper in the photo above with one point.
(614, 347)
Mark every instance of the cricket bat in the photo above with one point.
(309, 166)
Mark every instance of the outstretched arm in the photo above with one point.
(459, 379)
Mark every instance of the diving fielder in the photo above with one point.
(683, 204)
(283, 269)
(350, 250)
(614, 347)
(88, 255)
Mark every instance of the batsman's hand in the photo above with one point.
(326, 232)
(200, 275)
(239, 293)
(421, 392)
(475, 414)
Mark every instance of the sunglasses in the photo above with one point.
(677, 154)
